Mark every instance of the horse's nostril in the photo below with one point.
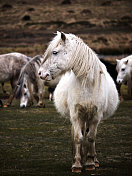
(119, 82)
(23, 106)
(40, 73)
(47, 74)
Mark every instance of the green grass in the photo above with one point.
(37, 141)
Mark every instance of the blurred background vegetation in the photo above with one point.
(27, 26)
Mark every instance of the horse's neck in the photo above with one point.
(87, 68)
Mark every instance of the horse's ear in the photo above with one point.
(117, 60)
(126, 62)
(63, 37)
(57, 33)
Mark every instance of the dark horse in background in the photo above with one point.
(111, 68)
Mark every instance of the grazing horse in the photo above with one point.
(86, 92)
(30, 85)
(10, 67)
(124, 69)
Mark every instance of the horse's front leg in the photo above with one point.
(4, 90)
(40, 93)
(41, 100)
(91, 160)
(78, 139)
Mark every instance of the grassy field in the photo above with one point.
(37, 141)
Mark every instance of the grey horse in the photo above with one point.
(30, 86)
(10, 67)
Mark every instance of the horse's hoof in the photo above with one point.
(76, 169)
(90, 168)
(96, 164)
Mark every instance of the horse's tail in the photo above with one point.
(18, 90)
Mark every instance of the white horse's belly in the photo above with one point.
(5, 75)
(4, 79)
(5, 69)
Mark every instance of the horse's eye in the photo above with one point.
(25, 94)
(55, 52)
(24, 85)
(123, 69)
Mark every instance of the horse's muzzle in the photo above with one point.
(22, 106)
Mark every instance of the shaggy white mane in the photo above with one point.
(84, 62)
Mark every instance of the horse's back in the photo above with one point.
(14, 56)
(10, 65)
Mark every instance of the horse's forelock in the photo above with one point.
(53, 44)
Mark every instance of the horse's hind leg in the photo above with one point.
(91, 160)
(3, 89)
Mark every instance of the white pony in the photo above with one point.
(86, 92)
(124, 69)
